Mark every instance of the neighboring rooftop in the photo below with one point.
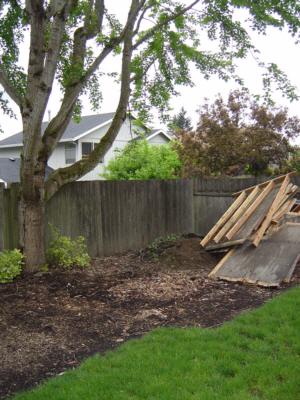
(72, 131)
(10, 170)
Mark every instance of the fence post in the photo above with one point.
(11, 239)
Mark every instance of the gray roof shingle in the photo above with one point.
(10, 169)
(73, 130)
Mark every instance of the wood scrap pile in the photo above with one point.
(261, 232)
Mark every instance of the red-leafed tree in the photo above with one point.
(236, 137)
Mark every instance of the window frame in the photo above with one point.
(70, 146)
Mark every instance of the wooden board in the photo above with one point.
(267, 221)
(231, 210)
(267, 265)
(257, 217)
(238, 214)
(268, 189)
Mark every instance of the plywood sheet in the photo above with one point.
(269, 264)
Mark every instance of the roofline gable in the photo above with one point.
(88, 132)
(160, 131)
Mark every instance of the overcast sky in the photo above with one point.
(275, 47)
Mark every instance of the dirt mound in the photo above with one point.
(173, 253)
(187, 254)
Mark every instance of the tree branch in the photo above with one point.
(9, 88)
(58, 124)
(99, 8)
(68, 174)
(160, 25)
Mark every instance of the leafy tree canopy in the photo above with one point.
(238, 136)
(141, 160)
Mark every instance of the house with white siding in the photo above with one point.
(80, 138)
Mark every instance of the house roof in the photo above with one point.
(152, 133)
(73, 131)
(10, 169)
(155, 132)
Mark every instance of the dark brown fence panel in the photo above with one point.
(117, 216)
(208, 208)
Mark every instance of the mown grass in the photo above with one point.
(255, 356)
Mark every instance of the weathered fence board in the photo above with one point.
(117, 216)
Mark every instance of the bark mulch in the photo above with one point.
(50, 322)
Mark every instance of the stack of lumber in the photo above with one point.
(261, 230)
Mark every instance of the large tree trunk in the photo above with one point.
(33, 214)
(33, 234)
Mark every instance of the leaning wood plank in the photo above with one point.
(225, 245)
(283, 210)
(224, 218)
(285, 198)
(264, 226)
(239, 212)
(255, 220)
(221, 263)
(263, 184)
(250, 210)
(297, 208)
(269, 264)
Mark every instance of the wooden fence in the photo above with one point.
(118, 216)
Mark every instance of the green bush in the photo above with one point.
(141, 160)
(66, 252)
(10, 265)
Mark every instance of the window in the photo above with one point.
(70, 153)
(87, 148)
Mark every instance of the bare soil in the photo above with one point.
(50, 322)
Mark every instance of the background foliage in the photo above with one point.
(141, 160)
(238, 136)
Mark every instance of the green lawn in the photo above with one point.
(255, 356)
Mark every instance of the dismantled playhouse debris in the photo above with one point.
(261, 233)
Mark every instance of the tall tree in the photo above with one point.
(69, 40)
(236, 137)
(180, 122)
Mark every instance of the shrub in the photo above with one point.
(141, 160)
(10, 265)
(66, 252)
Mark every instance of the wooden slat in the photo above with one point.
(250, 210)
(236, 204)
(263, 184)
(284, 209)
(264, 226)
(225, 244)
(239, 212)
(297, 208)
(221, 263)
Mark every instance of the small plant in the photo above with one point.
(66, 252)
(10, 265)
(158, 246)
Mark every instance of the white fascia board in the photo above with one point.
(6, 146)
(158, 133)
(87, 132)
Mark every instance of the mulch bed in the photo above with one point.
(50, 322)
